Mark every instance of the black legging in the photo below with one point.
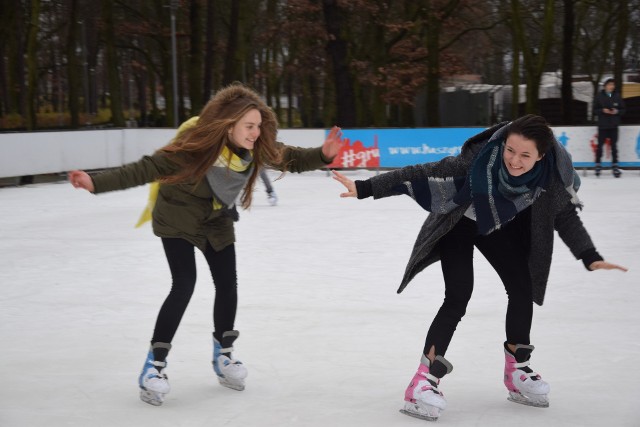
(507, 251)
(603, 135)
(182, 263)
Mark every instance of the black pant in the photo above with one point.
(507, 251)
(612, 135)
(182, 263)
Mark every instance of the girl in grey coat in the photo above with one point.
(505, 193)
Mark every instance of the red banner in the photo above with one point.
(356, 155)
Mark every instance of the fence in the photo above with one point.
(34, 153)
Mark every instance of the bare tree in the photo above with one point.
(534, 49)
(32, 64)
(567, 62)
(113, 71)
(337, 49)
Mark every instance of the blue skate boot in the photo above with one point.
(153, 381)
(231, 372)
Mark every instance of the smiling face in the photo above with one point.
(520, 154)
(246, 131)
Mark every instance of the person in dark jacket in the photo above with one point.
(214, 159)
(608, 106)
(505, 193)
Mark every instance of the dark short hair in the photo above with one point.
(534, 128)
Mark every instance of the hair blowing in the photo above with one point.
(197, 148)
(534, 128)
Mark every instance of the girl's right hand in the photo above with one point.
(81, 179)
(349, 184)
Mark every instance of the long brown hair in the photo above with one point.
(197, 148)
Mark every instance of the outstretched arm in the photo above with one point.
(297, 159)
(147, 169)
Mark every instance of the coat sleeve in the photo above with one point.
(572, 232)
(382, 185)
(298, 159)
(145, 170)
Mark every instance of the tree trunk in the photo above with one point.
(534, 58)
(91, 18)
(210, 54)
(230, 63)
(620, 43)
(433, 72)
(515, 82)
(32, 65)
(73, 66)
(567, 62)
(115, 86)
(337, 50)
(4, 92)
(195, 58)
(16, 51)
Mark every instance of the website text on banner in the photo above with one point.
(393, 148)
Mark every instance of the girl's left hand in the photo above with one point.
(333, 143)
(604, 265)
(348, 184)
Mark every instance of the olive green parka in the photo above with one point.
(186, 210)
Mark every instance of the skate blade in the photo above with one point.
(416, 411)
(419, 416)
(537, 402)
(234, 385)
(151, 397)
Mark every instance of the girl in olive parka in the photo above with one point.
(214, 158)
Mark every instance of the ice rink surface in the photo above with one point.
(325, 337)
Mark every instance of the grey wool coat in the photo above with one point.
(552, 210)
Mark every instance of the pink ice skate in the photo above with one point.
(524, 385)
(422, 398)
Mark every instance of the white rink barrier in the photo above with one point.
(35, 153)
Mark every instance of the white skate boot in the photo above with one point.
(153, 381)
(524, 385)
(231, 372)
(272, 198)
(422, 399)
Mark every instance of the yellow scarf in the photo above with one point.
(226, 159)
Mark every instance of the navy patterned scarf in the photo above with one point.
(496, 196)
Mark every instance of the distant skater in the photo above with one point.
(608, 106)
(272, 198)
(504, 194)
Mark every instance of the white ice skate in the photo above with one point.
(272, 198)
(153, 381)
(616, 171)
(231, 372)
(524, 385)
(422, 399)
